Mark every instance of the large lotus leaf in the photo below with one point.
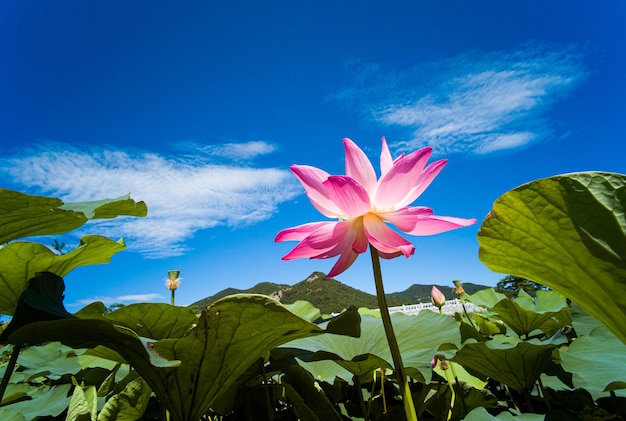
(487, 297)
(129, 404)
(22, 260)
(46, 401)
(419, 338)
(305, 309)
(326, 370)
(138, 351)
(548, 312)
(150, 320)
(52, 359)
(23, 215)
(231, 334)
(597, 362)
(508, 360)
(567, 232)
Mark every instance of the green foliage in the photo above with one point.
(250, 357)
(569, 233)
(419, 339)
(511, 285)
(23, 215)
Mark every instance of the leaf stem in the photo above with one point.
(405, 391)
(9, 370)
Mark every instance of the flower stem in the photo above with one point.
(173, 296)
(405, 391)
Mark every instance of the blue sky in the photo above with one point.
(198, 109)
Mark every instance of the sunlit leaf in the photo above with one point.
(22, 260)
(53, 358)
(305, 309)
(108, 208)
(597, 362)
(150, 320)
(487, 297)
(567, 232)
(547, 312)
(508, 360)
(23, 215)
(46, 401)
(419, 337)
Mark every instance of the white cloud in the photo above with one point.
(122, 299)
(183, 195)
(240, 151)
(474, 103)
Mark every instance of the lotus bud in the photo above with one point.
(437, 297)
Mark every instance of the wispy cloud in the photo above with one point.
(474, 103)
(122, 299)
(183, 195)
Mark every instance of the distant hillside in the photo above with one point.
(330, 295)
(264, 288)
(421, 293)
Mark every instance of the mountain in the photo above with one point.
(421, 293)
(330, 295)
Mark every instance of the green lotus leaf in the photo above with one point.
(419, 338)
(129, 404)
(305, 309)
(23, 215)
(326, 370)
(52, 359)
(108, 208)
(21, 261)
(487, 297)
(150, 320)
(597, 361)
(508, 360)
(231, 334)
(567, 232)
(486, 326)
(83, 405)
(77, 333)
(46, 401)
(547, 312)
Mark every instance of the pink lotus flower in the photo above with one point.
(364, 205)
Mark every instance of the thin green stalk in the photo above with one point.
(405, 391)
(9, 370)
(453, 398)
(173, 291)
(467, 314)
